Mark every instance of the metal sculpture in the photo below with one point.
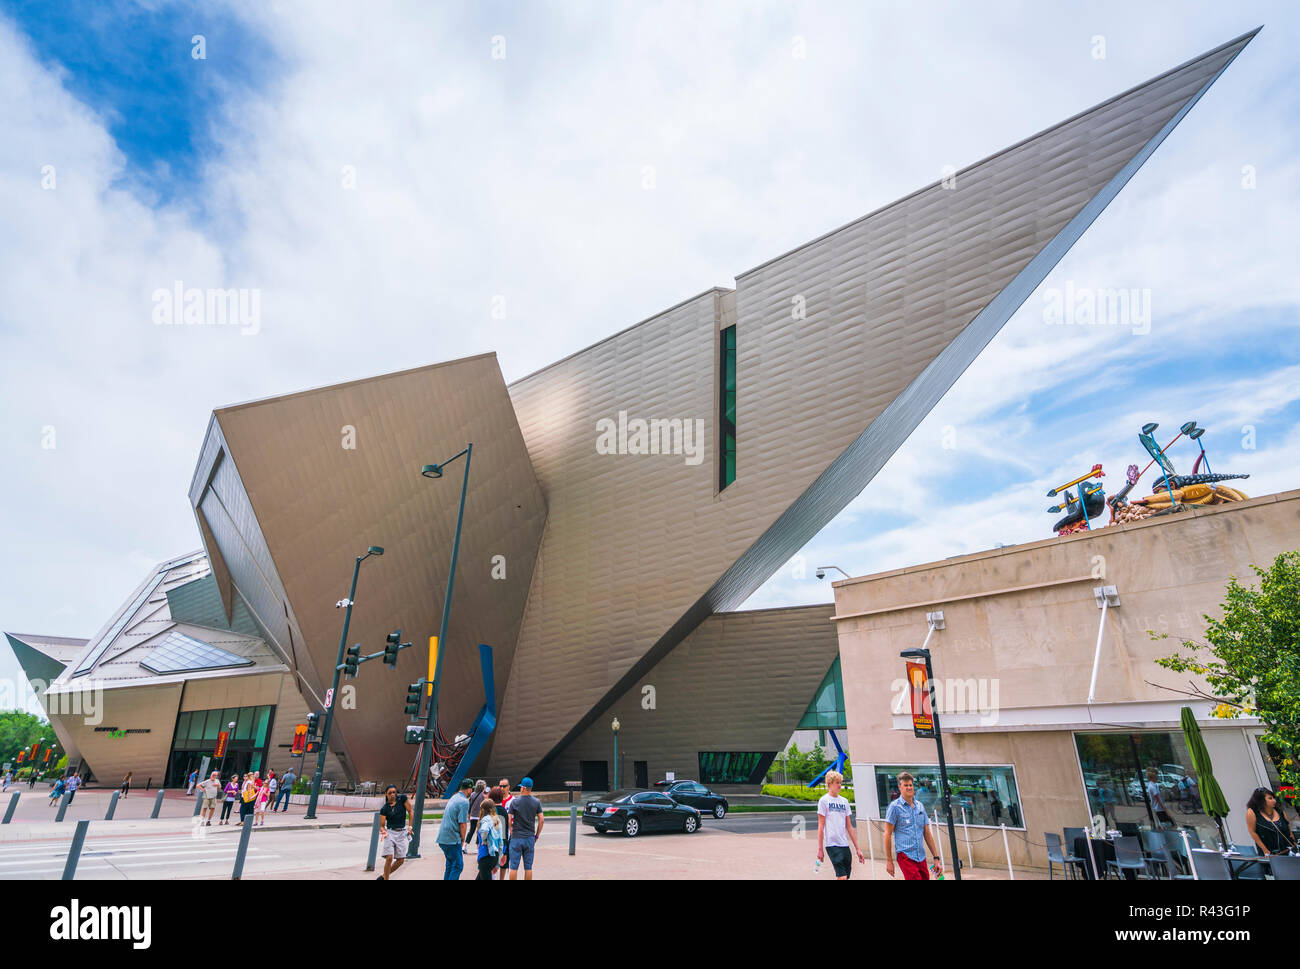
(452, 758)
(1088, 501)
(1174, 491)
(838, 765)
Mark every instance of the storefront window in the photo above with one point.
(980, 795)
(1142, 780)
(725, 767)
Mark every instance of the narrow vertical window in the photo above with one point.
(727, 408)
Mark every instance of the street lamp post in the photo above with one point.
(225, 751)
(334, 688)
(938, 741)
(431, 709)
(615, 728)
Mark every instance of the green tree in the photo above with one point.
(19, 729)
(1251, 657)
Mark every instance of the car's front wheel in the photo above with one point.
(692, 822)
(719, 811)
(632, 828)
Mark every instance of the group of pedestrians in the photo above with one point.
(253, 793)
(64, 785)
(907, 832)
(503, 827)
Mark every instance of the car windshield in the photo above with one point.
(616, 796)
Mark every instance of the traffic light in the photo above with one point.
(390, 651)
(313, 745)
(414, 733)
(352, 660)
(313, 725)
(413, 699)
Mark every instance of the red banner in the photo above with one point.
(35, 747)
(919, 687)
(22, 755)
(299, 740)
(47, 754)
(222, 738)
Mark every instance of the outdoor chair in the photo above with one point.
(1071, 858)
(1210, 865)
(1128, 857)
(1253, 873)
(1193, 837)
(1178, 850)
(1158, 853)
(1286, 868)
(1056, 854)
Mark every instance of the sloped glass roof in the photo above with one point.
(179, 653)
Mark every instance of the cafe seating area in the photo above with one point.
(1160, 855)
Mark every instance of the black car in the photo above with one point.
(632, 812)
(697, 796)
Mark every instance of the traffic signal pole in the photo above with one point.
(333, 695)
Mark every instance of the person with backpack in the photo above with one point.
(247, 795)
(56, 792)
(490, 840)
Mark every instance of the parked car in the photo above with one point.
(697, 796)
(633, 812)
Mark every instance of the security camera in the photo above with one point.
(821, 573)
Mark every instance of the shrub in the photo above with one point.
(797, 792)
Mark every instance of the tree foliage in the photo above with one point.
(19, 729)
(1251, 657)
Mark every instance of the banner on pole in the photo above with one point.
(922, 715)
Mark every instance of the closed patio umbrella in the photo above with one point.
(1212, 799)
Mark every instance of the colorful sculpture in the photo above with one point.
(1085, 504)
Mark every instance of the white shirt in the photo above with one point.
(836, 812)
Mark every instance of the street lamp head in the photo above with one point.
(915, 654)
(432, 471)
(375, 550)
(615, 725)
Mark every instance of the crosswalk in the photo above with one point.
(166, 856)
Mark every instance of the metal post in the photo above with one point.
(431, 708)
(9, 811)
(1007, 848)
(1096, 655)
(573, 828)
(333, 696)
(1092, 857)
(112, 805)
(157, 803)
(1187, 853)
(374, 844)
(965, 829)
(74, 851)
(244, 834)
(198, 803)
(63, 807)
(871, 846)
(943, 770)
(616, 760)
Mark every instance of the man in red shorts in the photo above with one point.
(905, 820)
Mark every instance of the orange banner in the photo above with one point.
(919, 687)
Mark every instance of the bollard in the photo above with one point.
(198, 804)
(573, 828)
(1007, 848)
(374, 844)
(157, 803)
(244, 834)
(63, 807)
(9, 811)
(112, 805)
(74, 851)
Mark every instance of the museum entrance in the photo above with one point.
(196, 737)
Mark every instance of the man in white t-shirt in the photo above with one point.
(835, 828)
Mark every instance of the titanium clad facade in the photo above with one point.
(639, 549)
(298, 486)
(738, 683)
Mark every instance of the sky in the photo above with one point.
(405, 183)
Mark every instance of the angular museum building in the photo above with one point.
(622, 502)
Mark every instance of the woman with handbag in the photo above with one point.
(489, 840)
(247, 795)
(228, 803)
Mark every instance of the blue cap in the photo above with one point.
(526, 782)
